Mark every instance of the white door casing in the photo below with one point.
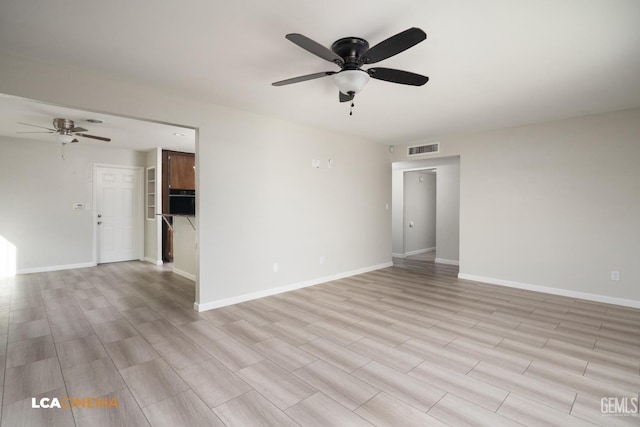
(118, 213)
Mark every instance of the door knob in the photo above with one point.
(99, 222)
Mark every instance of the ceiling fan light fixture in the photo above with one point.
(350, 81)
(64, 138)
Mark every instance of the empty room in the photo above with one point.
(279, 213)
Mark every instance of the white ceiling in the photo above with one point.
(491, 63)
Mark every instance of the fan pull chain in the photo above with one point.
(351, 109)
(62, 151)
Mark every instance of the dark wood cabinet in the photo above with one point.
(182, 173)
(178, 173)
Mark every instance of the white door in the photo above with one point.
(118, 214)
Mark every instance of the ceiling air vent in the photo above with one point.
(423, 149)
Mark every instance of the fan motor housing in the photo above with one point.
(350, 49)
(63, 124)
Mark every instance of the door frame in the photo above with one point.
(138, 207)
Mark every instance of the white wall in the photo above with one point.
(448, 212)
(259, 200)
(447, 205)
(153, 229)
(38, 191)
(553, 205)
(184, 247)
(419, 211)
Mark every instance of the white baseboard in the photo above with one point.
(447, 261)
(292, 287)
(554, 291)
(153, 261)
(184, 274)
(55, 268)
(419, 251)
(416, 252)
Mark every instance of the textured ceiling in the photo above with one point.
(491, 63)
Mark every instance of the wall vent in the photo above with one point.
(423, 149)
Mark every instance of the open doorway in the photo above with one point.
(420, 200)
(426, 210)
(52, 219)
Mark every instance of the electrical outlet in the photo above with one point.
(321, 260)
(615, 275)
(275, 267)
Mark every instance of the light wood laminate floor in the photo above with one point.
(409, 345)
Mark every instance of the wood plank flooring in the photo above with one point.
(409, 345)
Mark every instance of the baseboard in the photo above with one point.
(416, 252)
(419, 251)
(554, 291)
(55, 268)
(153, 261)
(184, 274)
(447, 261)
(292, 287)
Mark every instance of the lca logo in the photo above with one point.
(46, 403)
(74, 402)
(624, 406)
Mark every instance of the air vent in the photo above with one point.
(423, 149)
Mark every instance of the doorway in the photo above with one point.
(419, 212)
(118, 222)
(447, 209)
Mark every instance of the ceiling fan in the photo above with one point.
(351, 53)
(66, 131)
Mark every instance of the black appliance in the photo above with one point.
(182, 202)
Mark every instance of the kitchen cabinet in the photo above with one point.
(178, 173)
(182, 172)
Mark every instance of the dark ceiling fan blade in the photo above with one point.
(79, 129)
(345, 98)
(393, 45)
(303, 78)
(314, 47)
(101, 138)
(397, 76)
(42, 127)
(36, 132)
